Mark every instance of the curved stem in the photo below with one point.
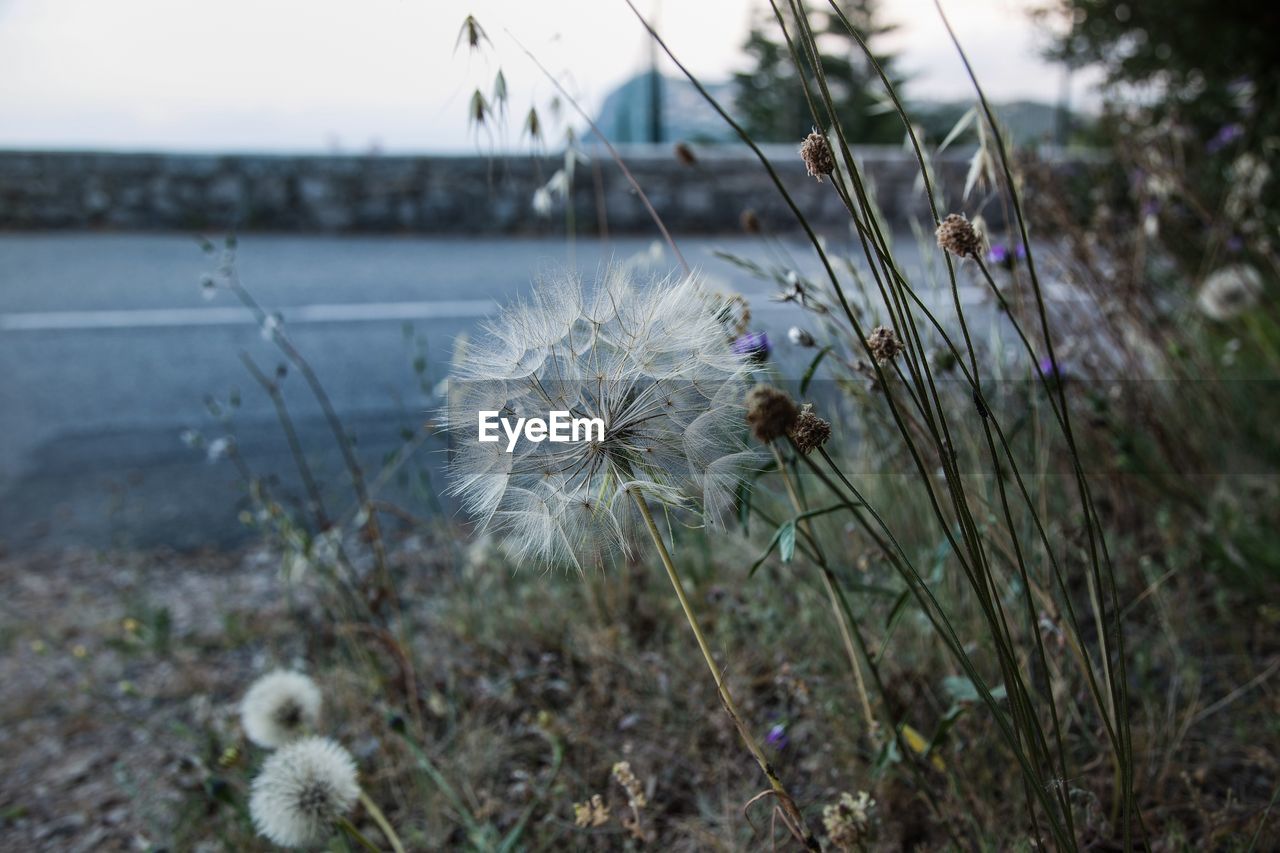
(789, 808)
(356, 835)
(381, 820)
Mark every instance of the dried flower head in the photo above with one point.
(592, 813)
(279, 707)
(816, 154)
(850, 822)
(1229, 291)
(635, 791)
(750, 221)
(684, 154)
(654, 365)
(302, 790)
(884, 344)
(809, 432)
(957, 235)
(770, 412)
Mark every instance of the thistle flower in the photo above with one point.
(957, 235)
(754, 345)
(884, 344)
(809, 432)
(654, 365)
(302, 790)
(770, 412)
(279, 707)
(816, 154)
(850, 822)
(1229, 291)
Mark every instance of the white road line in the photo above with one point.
(456, 309)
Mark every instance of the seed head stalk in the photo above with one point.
(829, 583)
(790, 811)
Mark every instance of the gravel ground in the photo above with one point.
(108, 663)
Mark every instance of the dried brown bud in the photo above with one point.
(816, 154)
(884, 344)
(750, 221)
(770, 412)
(685, 154)
(809, 432)
(958, 236)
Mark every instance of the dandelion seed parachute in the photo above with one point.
(653, 363)
(302, 790)
(280, 707)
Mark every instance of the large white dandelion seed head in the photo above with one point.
(653, 363)
(279, 707)
(302, 789)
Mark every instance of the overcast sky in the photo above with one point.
(314, 75)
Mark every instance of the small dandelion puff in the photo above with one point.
(652, 366)
(800, 337)
(851, 821)
(591, 813)
(208, 286)
(809, 431)
(957, 235)
(541, 202)
(270, 326)
(302, 790)
(280, 707)
(217, 448)
(884, 344)
(1229, 292)
(770, 412)
(816, 154)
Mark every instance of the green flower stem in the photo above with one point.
(829, 581)
(788, 805)
(356, 835)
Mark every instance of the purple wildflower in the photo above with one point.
(754, 345)
(1001, 255)
(1226, 135)
(777, 737)
(1050, 371)
(1234, 244)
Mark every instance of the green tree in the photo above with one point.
(770, 95)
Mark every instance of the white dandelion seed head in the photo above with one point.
(302, 790)
(1229, 291)
(280, 707)
(653, 363)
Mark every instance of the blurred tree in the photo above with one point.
(1203, 58)
(1191, 98)
(770, 98)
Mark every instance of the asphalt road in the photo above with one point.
(108, 351)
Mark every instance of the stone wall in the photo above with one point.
(430, 194)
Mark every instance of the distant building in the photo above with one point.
(686, 116)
